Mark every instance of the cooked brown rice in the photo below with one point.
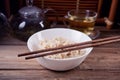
(57, 42)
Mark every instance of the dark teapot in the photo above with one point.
(4, 26)
(30, 19)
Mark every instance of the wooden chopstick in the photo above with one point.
(82, 45)
(66, 46)
(73, 48)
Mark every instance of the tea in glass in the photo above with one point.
(82, 20)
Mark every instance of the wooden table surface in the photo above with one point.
(102, 64)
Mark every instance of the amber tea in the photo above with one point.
(83, 20)
(83, 25)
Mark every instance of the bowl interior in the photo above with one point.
(72, 35)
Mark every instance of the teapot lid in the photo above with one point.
(30, 10)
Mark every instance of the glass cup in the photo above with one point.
(82, 20)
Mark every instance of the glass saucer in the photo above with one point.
(94, 34)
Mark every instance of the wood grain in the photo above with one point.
(50, 75)
(103, 63)
(63, 6)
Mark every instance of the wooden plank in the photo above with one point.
(100, 58)
(103, 63)
(99, 7)
(7, 7)
(67, 1)
(9, 59)
(9, 40)
(51, 75)
(63, 6)
(112, 13)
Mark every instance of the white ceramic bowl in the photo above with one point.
(59, 64)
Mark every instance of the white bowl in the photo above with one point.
(59, 64)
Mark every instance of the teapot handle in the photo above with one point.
(66, 21)
(6, 26)
(56, 16)
(3, 17)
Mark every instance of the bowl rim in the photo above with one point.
(71, 58)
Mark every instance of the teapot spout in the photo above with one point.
(48, 9)
(54, 15)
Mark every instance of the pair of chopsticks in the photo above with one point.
(93, 43)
